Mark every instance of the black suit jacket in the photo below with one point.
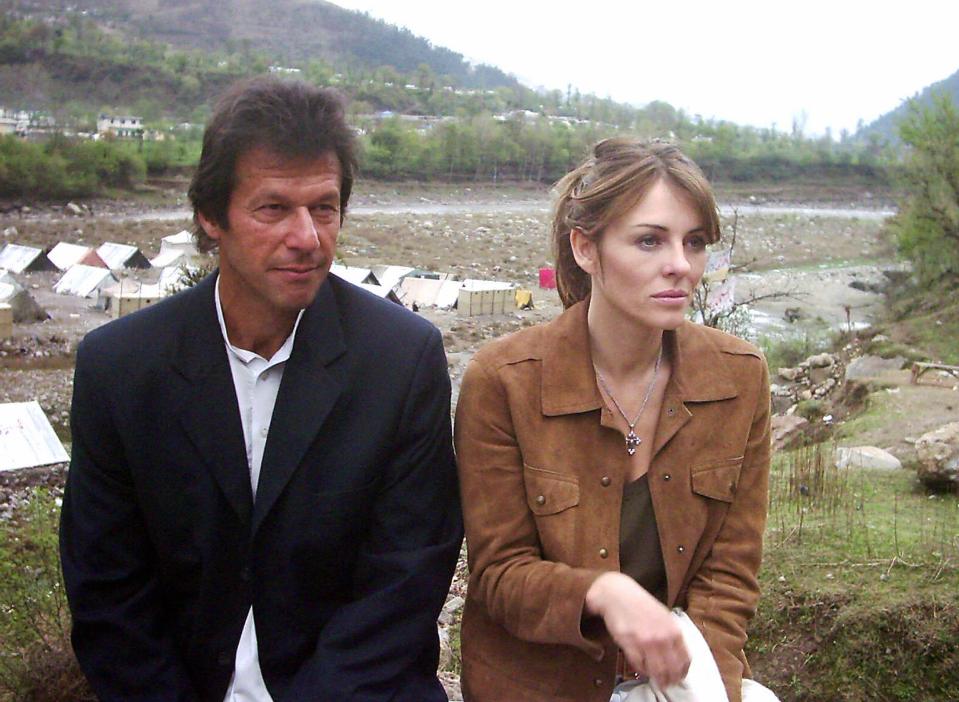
(346, 555)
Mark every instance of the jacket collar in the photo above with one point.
(569, 380)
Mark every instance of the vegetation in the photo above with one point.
(36, 660)
(860, 585)
(927, 226)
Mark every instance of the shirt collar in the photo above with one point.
(282, 354)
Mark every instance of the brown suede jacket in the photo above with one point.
(542, 471)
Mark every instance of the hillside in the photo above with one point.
(886, 127)
(290, 32)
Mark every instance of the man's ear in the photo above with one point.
(585, 250)
(210, 227)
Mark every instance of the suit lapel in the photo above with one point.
(310, 388)
(210, 416)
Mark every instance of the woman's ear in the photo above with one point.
(585, 250)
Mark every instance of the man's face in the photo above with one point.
(284, 218)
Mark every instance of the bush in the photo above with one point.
(36, 659)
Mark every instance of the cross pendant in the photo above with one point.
(632, 441)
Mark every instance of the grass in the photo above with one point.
(861, 585)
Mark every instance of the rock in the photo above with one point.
(10, 231)
(805, 395)
(866, 457)
(821, 360)
(446, 651)
(819, 375)
(790, 374)
(938, 453)
(786, 428)
(872, 366)
(454, 604)
(74, 209)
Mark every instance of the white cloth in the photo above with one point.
(257, 382)
(702, 683)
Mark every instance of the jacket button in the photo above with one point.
(605, 481)
(681, 549)
(598, 682)
(732, 488)
(245, 574)
(224, 658)
(603, 553)
(667, 477)
(541, 499)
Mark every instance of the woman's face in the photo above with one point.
(647, 262)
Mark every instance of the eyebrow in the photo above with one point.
(661, 228)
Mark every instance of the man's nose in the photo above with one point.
(302, 230)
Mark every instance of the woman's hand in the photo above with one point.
(641, 626)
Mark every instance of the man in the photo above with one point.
(262, 502)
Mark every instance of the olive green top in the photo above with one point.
(640, 556)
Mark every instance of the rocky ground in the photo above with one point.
(828, 261)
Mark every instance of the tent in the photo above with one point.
(24, 259)
(84, 281)
(353, 274)
(390, 276)
(381, 291)
(65, 256)
(478, 297)
(26, 437)
(428, 292)
(118, 256)
(175, 249)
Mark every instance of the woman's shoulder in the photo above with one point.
(518, 346)
(701, 337)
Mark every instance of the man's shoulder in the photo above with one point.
(145, 330)
(375, 319)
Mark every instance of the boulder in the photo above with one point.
(872, 366)
(789, 374)
(74, 209)
(938, 453)
(820, 360)
(866, 457)
(785, 428)
(819, 374)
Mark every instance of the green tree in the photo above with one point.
(927, 226)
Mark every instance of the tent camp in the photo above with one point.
(84, 281)
(381, 291)
(24, 259)
(118, 256)
(26, 437)
(175, 249)
(478, 297)
(22, 304)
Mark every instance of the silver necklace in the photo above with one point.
(632, 440)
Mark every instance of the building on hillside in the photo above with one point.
(120, 126)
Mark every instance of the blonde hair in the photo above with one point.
(613, 180)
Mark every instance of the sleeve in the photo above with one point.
(534, 599)
(119, 636)
(383, 644)
(723, 594)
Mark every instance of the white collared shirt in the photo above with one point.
(257, 382)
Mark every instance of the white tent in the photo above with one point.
(26, 437)
(118, 256)
(84, 281)
(65, 256)
(390, 276)
(19, 259)
(175, 249)
(381, 291)
(353, 274)
(428, 292)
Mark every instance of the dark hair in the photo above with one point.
(613, 180)
(289, 118)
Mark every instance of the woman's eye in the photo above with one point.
(648, 242)
(696, 243)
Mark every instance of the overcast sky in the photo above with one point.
(752, 62)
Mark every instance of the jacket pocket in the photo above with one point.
(548, 492)
(717, 479)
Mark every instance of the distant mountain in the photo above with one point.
(289, 31)
(886, 127)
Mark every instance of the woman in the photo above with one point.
(613, 462)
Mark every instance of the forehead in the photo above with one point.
(262, 167)
(663, 198)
